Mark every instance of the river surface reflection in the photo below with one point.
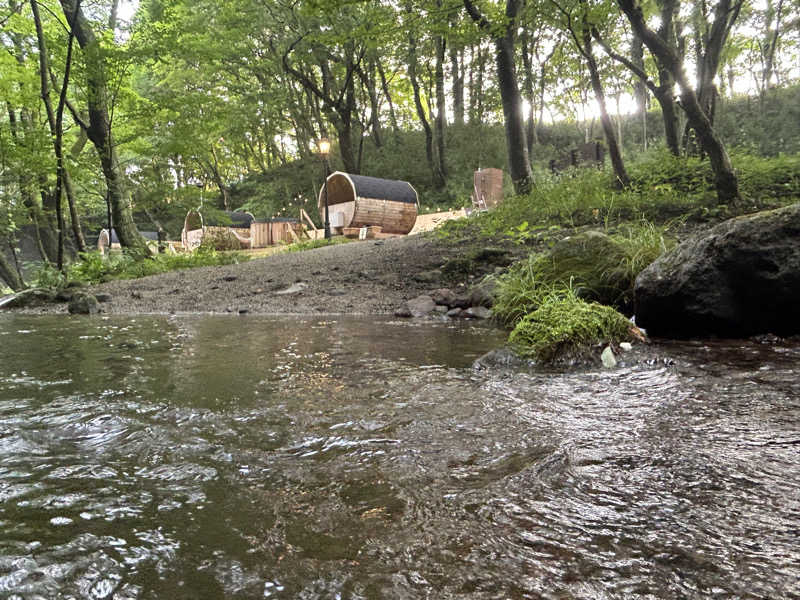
(254, 457)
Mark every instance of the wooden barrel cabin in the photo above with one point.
(229, 230)
(361, 201)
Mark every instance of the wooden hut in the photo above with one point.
(487, 188)
(229, 230)
(106, 242)
(278, 230)
(361, 201)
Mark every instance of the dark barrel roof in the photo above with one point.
(148, 235)
(223, 218)
(384, 189)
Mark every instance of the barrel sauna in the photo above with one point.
(228, 229)
(361, 201)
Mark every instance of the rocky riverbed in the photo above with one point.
(369, 278)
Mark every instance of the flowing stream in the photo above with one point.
(253, 457)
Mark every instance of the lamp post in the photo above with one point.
(324, 151)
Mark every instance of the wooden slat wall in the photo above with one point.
(393, 217)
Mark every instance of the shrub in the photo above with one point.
(566, 327)
(94, 268)
(593, 265)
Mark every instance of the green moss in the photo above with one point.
(567, 327)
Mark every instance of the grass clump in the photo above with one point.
(564, 327)
(93, 267)
(595, 266)
(313, 244)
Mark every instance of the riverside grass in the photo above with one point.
(603, 269)
(93, 267)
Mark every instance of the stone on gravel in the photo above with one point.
(83, 304)
(103, 297)
(477, 312)
(454, 313)
(295, 288)
(421, 305)
(29, 298)
(739, 279)
(428, 276)
(403, 312)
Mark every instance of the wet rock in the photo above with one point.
(403, 312)
(498, 359)
(295, 288)
(443, 296)
(421, 305)
(244, 311)
(461, 301)
(230, 278)
(103, 297)
(739, 279)
(483, 293)
(454, 313)
(608, 359)
(84, 304)
(477, 312)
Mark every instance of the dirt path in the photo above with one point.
(370, 277)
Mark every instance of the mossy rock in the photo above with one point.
(568, 328)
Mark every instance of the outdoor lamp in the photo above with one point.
(324, 150)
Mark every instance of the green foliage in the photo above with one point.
(593, 266)
(566, 327)
(48, 276)
(320, 243)
(93, 267)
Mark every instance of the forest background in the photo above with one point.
(137, 113)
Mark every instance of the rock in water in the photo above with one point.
(83, 304)
(421, 306)
(608, 358)
(739, 279)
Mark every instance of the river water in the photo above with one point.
(253, 457)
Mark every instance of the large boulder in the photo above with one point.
(740, 278)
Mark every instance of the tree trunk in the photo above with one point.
(441, 111)
(387, 93)
(56, 132)
(457, 78)
(438, 179)
(724, 177)
(516, 144)
(100, 130)
(640, 87)
(9, 274)
(608, 127)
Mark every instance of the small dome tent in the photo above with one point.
(361, 201)
(228, 228)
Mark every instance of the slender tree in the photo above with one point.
(504, 38)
